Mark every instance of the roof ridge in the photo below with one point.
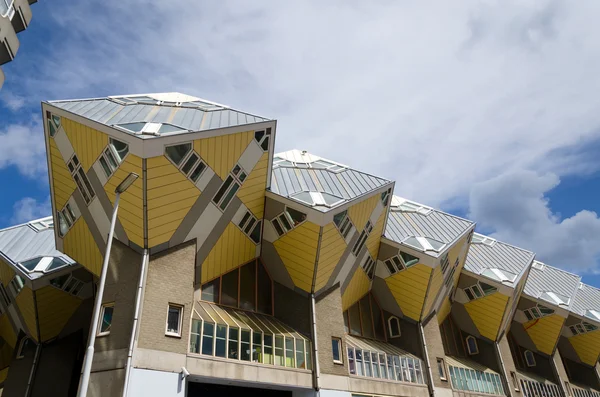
(25, 223)
(560, 270)
(437, 210)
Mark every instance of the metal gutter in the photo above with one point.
(136, 316)
(313, 316)
(430, 385)
(507, 379)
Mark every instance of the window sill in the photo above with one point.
(172, 335)
(102, 334)
(338, 362)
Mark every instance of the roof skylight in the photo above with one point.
(319, 164)
(481, 239)
(424, 243)
(410, 206)
(317, 199)
(42, 224)
(593, 314)
(146, 100)
(555, 298)
(149, 128)
(499, 275)
(42, 264)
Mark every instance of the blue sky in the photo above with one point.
(485, 109)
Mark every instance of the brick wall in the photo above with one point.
(435, 349)
(170, 279)
(330, 323)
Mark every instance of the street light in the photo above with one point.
(89, 354)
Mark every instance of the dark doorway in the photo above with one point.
(208, 390)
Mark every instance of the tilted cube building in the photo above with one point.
(235, 270)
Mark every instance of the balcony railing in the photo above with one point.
(474, 378)
(533, 388)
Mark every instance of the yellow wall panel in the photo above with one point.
(55, 308)
(6, 273)
(409, 288)
(221, 153)
(374, 238)
(87, 142)
(131, 210)
(360, 213)
(252, 192)
(62, 181)
(298, 251)
(357, 288)
(331, 250)
(437, 279)
(487, 312)
(232, 250)
(587, 346)
(170, 197)
(80, 245)
(6, 330)
(26, 305)
(544, 332)
(3, 374)
(444, 310)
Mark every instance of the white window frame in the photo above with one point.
(340, 349)
(20, 352)
(471, 353)
(237, 179)
(368, 266)
(477, 287)
(425, 244)
(86, 191)
(198, 163)
(411, 206)
(266, 137)
(532, 357)
(289, 219)
(50, 117)
(481, 239)
(15, 289)
(362, 238)
(330, 166)
(179, 322)
(345, 225)
(249, 220)
(99, 325)
(536, 313)
(390, 327)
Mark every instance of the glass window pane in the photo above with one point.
(220, 343)
(195, 336)
(382, 366)
(229, 295)
(359, 363)
(245, 347)
(390, 368)
(256, 346)
(336, 349)
(354, 314)
(367, 320)
(173, 317)
(210, 291)
(229, 196)
(248, 286)
(178, 152)
(279, 350)
(300, 355)
(233, 347)
(367, 361)
(374, 362)
(351, 365)
(107, 315)
(207, 338)
(190, 162)
(265, 295)
(197, 171)
(289, 352)
(268, 352)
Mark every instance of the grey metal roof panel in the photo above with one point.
(23, 242)
(343, 182)
(436, 224)
(544, 278)
(586, 298)
(111, 112)
(499, 255)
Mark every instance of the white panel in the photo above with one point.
(205, 178)
(205, 224)
(250, 157)
(376, 212)
(100, 217)
(350, 234)
(100, 173)
(460, 296)
(346, 267)
(144, 383)
(381, 270)
(64, 145)
(239, 214)
(520, 317)
(327, 393)
(269, 233)
(74, 207)
(257, 250)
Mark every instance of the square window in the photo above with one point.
(336, 349)
(106, 315)
(441, 369)
(174, 317)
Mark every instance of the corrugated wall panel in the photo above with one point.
(252, 192)
(62, 181)
(298, 251)
(332, 249)
(6, 273)
(55, 308)
(434, 286)
(79, 244)
(170, 197)
(357, 288)
(26, 305)
(233, 249)
(87, 142)
(409, 288)
(587, 346)
(221, 153)
(544, 332)
(6, 330)
(131, 211)
(360, 213)
(487, 312)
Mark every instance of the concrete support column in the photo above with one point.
(435, 350)
(510, 369)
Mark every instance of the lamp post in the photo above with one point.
(89, 353)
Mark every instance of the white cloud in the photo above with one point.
(28, 209)
(12, 101)
(514, 206)
(22, 146)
